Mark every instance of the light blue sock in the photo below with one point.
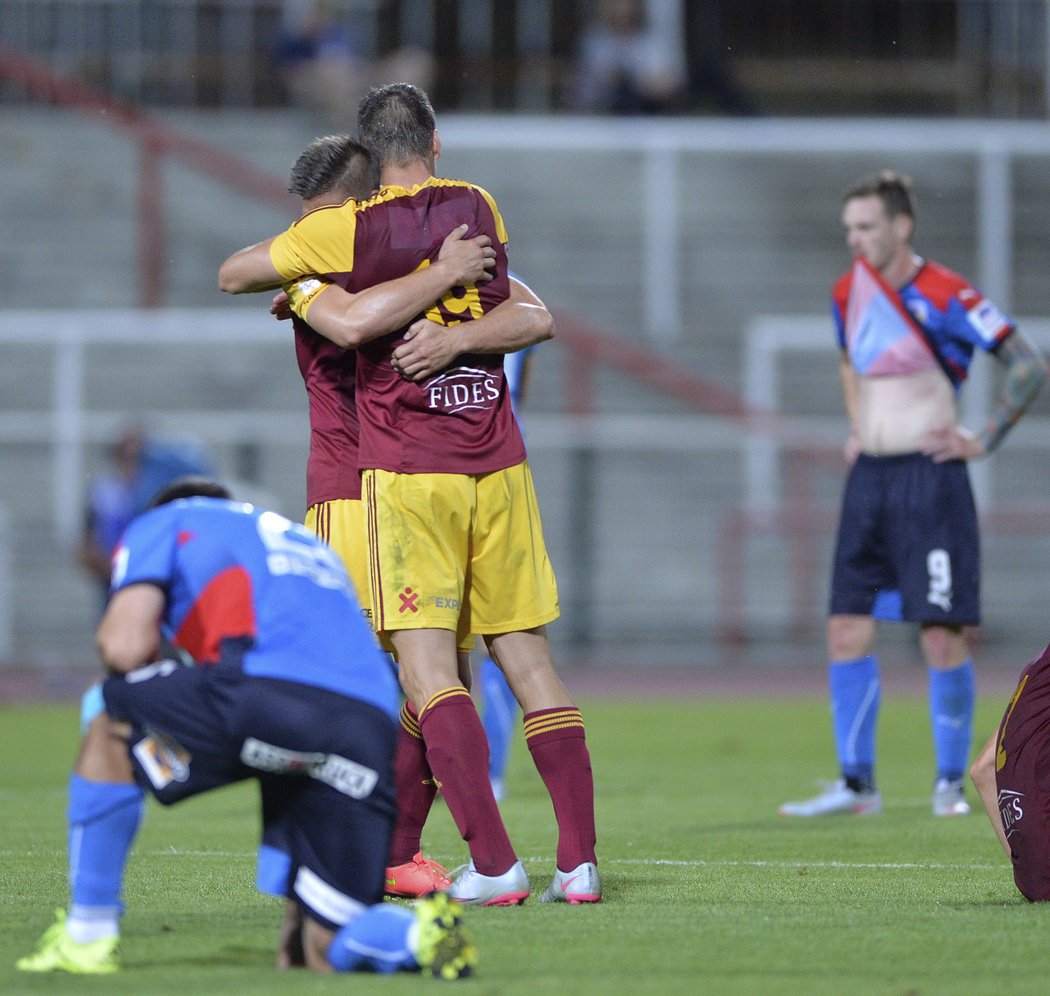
(952, 695)
(499, 712)
(272, 868)
(376, 940)
(855, 692)
(103, 820)
(91, 704)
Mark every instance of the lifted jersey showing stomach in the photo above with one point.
(936, 320)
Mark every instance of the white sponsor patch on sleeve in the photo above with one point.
(307, 286)
(988, 321)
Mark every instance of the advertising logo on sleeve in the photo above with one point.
(988, 321)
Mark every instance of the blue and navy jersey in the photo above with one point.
(937, 319)
(249, 583)
(514, 371)
(514, 368)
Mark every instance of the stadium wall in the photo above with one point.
(672, 236)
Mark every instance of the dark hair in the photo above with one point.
(191, 486)
(334, 162)
(396, 122)
(895, 190)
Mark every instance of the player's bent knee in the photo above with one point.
(945, 647)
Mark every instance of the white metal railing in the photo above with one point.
(674, 529)
(663, 144)
(71, 424)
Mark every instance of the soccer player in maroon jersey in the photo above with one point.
(1010, 777)
(455, 538)
(908, 329)
(329, 171)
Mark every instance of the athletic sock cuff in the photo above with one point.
(446, 695)
(410, 722)
(553, 724)
(93, 800)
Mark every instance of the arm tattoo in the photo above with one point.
(1026, 371)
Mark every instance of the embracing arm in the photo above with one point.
(129, 634)
(982, 773)
(522, 320)
(249, 270)
(350, 320)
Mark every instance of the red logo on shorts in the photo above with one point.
(408, 601)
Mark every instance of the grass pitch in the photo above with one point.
(707, 890)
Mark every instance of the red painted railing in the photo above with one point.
(157, 141)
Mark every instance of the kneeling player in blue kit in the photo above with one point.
(289, 689)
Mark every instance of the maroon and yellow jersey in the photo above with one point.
(1021, 763)
(459, 421)
(329, 373)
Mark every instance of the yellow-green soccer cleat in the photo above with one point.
(442, 947)
(56, 951)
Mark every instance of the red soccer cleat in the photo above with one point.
(418, 877)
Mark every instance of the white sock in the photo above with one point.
(85, 923)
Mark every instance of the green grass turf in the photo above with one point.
(707, 890)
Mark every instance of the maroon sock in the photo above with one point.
(414, 787)
(557, 740)
(459, 757)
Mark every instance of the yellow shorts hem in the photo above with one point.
(516, 625)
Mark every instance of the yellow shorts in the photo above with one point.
(462, 552)
(341, 524)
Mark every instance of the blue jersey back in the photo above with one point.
(514, 371)
(244, 581)
(514, 368)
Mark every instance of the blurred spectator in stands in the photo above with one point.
(319, 58)
(712, 81)
(111, 498)
(656, 57)
(327, 64)
(631, 59)
(141, 466)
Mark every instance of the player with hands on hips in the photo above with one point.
(907, 328)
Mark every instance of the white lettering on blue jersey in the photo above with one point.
(292, 550)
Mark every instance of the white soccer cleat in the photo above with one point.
(837, 797)
(948, 798)
(470, 888)
(581, 885)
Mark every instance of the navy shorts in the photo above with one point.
(908, 524)
(1023, 779)
(324, 763)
